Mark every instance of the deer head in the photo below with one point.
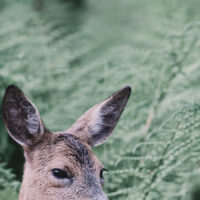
(61, 165)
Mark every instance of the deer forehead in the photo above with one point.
(60, 151)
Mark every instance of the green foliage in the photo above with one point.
(68, 55)
(164, 165)
(8, 185)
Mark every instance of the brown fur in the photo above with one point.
(69, 151)
(50, 153)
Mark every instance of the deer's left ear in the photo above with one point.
(97, 124)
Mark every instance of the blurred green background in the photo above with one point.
(68, 55)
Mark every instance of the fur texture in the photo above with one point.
(69, 152)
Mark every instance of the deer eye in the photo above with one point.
(60, 174)
(101, 176)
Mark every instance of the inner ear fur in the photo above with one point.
(21, 117)
(97, 124)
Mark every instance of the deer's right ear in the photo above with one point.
(97, 124)
(21, 117)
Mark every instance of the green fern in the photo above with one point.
(8, 185)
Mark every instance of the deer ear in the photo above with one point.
(21, 117)
(97, 124)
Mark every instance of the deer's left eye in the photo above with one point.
(60, 174)
(101, 175)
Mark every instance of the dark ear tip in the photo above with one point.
(123, 92)
(127, 89)
(11, 90)
(11, 87)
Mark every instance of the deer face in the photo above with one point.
(61, 165)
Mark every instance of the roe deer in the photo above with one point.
(61, 165)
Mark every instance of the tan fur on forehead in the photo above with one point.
(66, 149)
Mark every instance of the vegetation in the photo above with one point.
(69, 55)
